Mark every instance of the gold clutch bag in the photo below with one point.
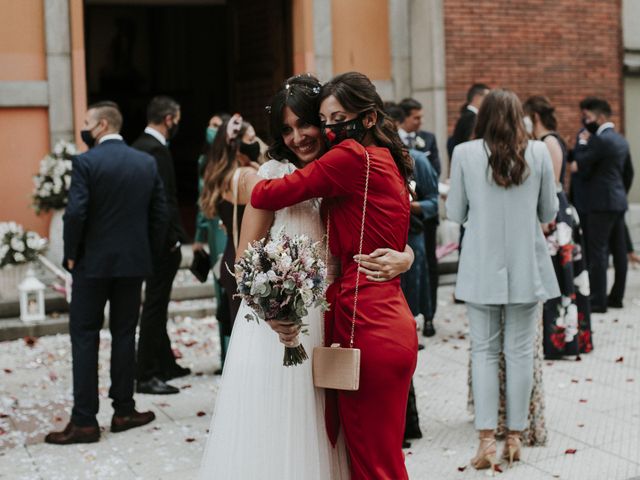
(336, 367)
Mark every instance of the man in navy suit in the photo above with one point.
(156, 361)
(116, 210)
(601, 156)
(425, 142)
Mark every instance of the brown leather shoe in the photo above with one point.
(135, 419)
(74, 434)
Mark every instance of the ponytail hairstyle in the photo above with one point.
(357, 94)
(219, 169)
(542, 106)
(501, 126)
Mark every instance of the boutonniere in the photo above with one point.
(420, 142)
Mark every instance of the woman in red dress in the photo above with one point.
(354, 123)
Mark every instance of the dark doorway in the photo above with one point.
(209, 55)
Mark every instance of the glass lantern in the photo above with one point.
(31, 299)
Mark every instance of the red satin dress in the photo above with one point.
(373, 418)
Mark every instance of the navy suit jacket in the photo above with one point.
(116, 216)
(601, 164)
(430, 149)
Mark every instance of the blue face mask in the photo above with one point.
(211, 134)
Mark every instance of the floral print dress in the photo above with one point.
(567, 319)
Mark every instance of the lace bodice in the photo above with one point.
(302, 218)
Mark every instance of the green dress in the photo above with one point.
(208, 231)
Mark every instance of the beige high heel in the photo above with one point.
(486, 455)
(512, 448)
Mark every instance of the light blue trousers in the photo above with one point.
(519, 336)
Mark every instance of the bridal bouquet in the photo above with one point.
(51, 184)
(280, 279)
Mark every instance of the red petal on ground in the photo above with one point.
(462, 469)
(163, 404)
(4, 415)
(570, 451)
(30, 341)
(189, 440)
(497, 468)
(201, 414)
(620, 360)
(573, 380)
(583, 400)
(184, 387)
(8, 370)
(57, 419)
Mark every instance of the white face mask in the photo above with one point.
(528, 124)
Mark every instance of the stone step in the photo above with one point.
(14, 328)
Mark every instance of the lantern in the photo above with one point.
(31, 299)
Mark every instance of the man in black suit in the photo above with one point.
(463, 131)
(156, 362)
(601, 156)
(115, 212)
(417, 139)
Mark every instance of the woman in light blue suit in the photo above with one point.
(502, 189)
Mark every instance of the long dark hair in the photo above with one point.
(542, 106)
(357, 94)
(301, 93)
(501, 126)
(221, 163)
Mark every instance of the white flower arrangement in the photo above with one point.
(51, 184)
(17, 245)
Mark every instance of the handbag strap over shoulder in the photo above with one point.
(234, 183)
(364, 213)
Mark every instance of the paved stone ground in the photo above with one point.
(593, 407)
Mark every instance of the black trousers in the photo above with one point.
(430, 231)
(85, 321)
(155, 355)
(606, 235)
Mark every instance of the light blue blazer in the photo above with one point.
(504, 255)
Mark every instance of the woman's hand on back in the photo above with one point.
(385, 264)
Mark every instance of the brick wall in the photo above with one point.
(565, 49)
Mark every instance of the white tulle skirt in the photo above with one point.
(268, 421)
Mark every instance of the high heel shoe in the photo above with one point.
(512, 448)
(486, 456)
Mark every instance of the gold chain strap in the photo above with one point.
(364, 211)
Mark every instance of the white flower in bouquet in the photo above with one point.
(51, 184)
(18, 246)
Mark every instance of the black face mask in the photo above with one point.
(592, 127)
(338, 132)
(172, 131)
(87, 138)
(251, 150)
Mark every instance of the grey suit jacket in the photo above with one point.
(504, 255)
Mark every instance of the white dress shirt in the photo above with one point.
(110, 136)
(156, 134)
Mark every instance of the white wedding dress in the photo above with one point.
(268, 422)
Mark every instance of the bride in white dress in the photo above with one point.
(268, 421)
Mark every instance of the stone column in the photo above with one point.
(58, 49)
(400, 48)
(322, 39)
(428, 80)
